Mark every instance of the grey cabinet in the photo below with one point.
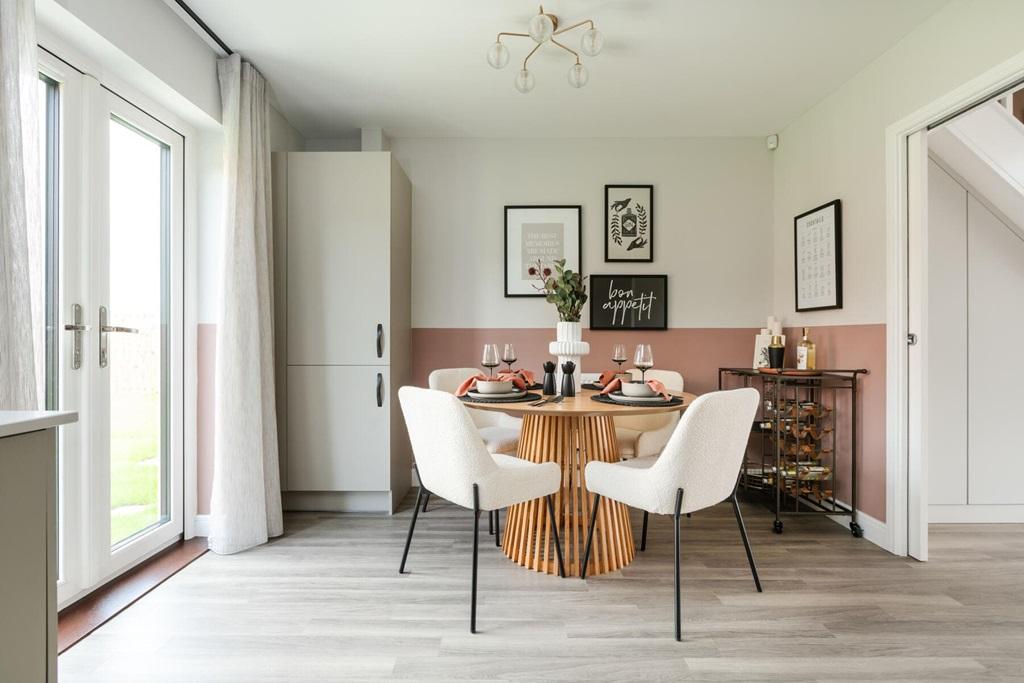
(28, 536)
(342, 238)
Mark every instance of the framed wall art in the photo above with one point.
(628, 302)
(629, 223)
(539, 233)
(818, 258)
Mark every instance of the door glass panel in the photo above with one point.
(137, 362)
(46, 288)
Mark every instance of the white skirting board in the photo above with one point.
(201, 526)
(975, 514)
(875, 531)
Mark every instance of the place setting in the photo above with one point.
(618, 387)
(508, 386)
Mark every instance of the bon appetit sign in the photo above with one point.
(628, 302)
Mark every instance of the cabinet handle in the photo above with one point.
(380, 340)
(380, 390)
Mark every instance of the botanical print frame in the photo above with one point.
(629, 223)
(818, 258)
(544, 233)
(628, 302)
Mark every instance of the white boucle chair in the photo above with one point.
(499, 431)
(702, 459)
(452, 461)
(643, 435)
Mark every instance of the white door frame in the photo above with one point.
(906, 162)
(64, 63)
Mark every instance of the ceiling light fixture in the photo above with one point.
(543, 28)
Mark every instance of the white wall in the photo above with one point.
(837, 149)
(333, 145)
(145, 44)
(712, 218)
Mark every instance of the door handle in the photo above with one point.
(380, 340)
(78, 327)
(104, 330)
(380, 390)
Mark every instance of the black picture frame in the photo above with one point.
(601, 283)
(833, 210)
(608, 226)
(579, 242)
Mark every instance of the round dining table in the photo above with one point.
(571, 433)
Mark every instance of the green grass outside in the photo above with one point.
(134, 464)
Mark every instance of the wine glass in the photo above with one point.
(619, 355)
(490, 358)
(643, 360)
(509, 356)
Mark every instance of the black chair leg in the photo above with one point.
(476, 544)
(746, 543)
(426, 499)
(490, 523)
(679, 616)
(554, 533)
(412, 525)
(497, 528)
(643, 534)
(590, 536)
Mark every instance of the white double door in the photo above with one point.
(112, 183)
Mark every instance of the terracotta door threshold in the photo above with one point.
(78, 620)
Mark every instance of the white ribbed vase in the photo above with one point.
(569, 346)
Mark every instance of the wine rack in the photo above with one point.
(803, 442)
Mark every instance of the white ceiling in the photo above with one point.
(670, 68)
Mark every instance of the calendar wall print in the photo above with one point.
(818, 258)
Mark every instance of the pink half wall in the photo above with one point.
(696, 352)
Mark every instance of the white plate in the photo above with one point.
(511, 394)
(620, 398)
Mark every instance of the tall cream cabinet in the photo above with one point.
(342, 291)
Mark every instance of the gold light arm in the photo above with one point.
(576, 54)
(507, 33)
(577, 25)
(531, 54)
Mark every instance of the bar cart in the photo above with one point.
(805, 437)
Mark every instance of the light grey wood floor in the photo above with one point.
(325, 602)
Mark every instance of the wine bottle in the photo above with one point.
(805, 354)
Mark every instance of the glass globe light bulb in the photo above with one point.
(524, 81)
(592, 42)
(497, 55)
(578, 76)
(541, 28)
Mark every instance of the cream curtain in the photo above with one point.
(20, 209)
(246, 502)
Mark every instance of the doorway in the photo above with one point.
(111, 293)
(909, 346)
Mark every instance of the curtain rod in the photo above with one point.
(202, 24)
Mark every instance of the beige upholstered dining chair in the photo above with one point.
(699, 467)
(640, 436)
(453, 462)
(500, 432)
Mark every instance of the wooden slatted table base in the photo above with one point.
(572, 442)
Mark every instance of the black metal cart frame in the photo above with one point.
(793, 408)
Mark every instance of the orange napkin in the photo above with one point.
(606, 376)
(654, 384)
(527, 376)
(470, 383)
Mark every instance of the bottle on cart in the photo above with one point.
(805, 354)
(776, 352)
